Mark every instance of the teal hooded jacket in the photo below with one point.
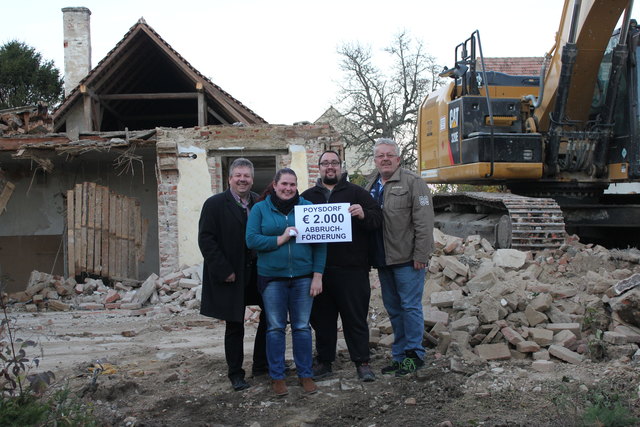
(292, 259)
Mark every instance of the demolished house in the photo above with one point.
(112, 184)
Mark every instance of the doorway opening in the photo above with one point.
(264, 170)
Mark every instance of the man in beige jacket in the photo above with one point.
(401, 252)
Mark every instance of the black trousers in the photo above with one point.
(345, 292)
(234, 347)
(234, 337)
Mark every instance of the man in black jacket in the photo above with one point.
(345, 283)
(229, 282)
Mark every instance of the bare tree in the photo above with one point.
(385, 104)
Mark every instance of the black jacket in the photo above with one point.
(222, 243)
(354, 253)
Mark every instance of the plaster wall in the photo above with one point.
(299, 165)
(194, 187)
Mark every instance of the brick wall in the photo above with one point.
(168, 220)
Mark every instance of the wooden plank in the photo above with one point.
(91, 225)
(7, 191)
(132, 240)
(87, 112)
(83, 228)
(97, 266)
(130, 96)
(77, 227)
(113, 209)
(71, 256)
(104, 252)
(124, 242)
(202, 111)
(118, 235)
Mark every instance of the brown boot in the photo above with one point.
(279, 388)
(308, 385)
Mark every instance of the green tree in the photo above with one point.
(379, 103)
(26, 78)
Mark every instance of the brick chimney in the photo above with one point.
(77, 46)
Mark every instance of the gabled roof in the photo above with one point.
(143, 63)
(518, 66)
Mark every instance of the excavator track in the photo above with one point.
(519, 222)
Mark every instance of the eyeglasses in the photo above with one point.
(387, 155)
(333, 163)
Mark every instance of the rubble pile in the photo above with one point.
(26, 120)
(480, 304)
(174, 292)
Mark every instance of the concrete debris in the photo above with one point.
(553, 306)
(173, 292)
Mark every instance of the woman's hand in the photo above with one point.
(289, 232)
(316, 285)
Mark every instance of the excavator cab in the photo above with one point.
(472, 129)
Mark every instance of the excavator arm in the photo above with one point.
(583, 35)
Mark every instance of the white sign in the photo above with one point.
(330, 222)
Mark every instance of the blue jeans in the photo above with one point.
(402, 288)
(291, 297)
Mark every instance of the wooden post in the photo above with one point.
(202, 105)
(87, 109)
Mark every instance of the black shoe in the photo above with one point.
(239, 383)
(322, 370)
(391, 369)
(410, 364)
(365, 373)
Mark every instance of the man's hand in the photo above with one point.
(316, 285)
(357, 211)
(231, 278)
(419, 265)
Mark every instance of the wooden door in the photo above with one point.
(104, 233)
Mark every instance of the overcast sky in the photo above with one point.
(279, 57)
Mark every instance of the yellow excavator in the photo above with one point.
(555, 141)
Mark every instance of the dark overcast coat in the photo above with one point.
(221, 239)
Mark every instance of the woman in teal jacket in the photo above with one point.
(289, 276)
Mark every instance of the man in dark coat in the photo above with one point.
(346, 289)
(229, 282)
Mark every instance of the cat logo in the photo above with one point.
(453, 117)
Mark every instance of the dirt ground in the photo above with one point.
(169, 369)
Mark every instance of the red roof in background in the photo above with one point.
(522, 66)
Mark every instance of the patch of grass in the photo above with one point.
(22, 410)
(61, 409)
(608, 410)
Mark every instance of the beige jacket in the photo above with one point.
(408, 218)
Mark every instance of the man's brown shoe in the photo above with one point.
(308, 385)
(280, 388)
